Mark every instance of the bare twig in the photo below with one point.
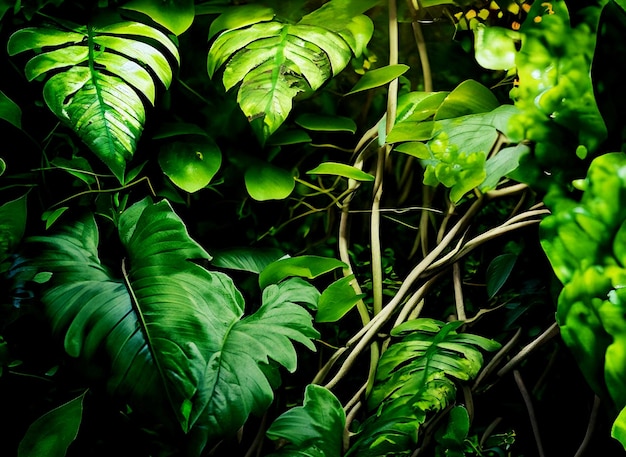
(551, 332)
(496, 358)
(590, 427)
(531, 411)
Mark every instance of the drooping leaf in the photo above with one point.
(100, 78)
(239, 16)
(166, 323)
(176, 15)
(469, 97)
(53, 433)
(10, 111)
(305, 266)
(265, 181)
(313, 429)
(341, 169)
(191, 164)
(378, 77)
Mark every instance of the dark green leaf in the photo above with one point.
(10, 111)
(53, 433)
(326, 123)
(12, 225)
(247, 259)
(498, 272)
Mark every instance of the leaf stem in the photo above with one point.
(531, 410)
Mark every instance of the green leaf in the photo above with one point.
(618, 430)
(378, 77)
(264, 182)
(415, 149)
(168, 324)
(341, 169)
(191, 164)
(51, 216)
(495, 47)
(274, 62)
(505, 162)
(322, 123)
(10, 111)
(306, 266)
(246, 259)
(101, 77)
(53, 433)
(336, 300)
(418, 106)
(12, 225)
(498, 272)
(313, 429)
(469, 97)
(240, 16)
(175, 15)
(414, 378)
(410, 131)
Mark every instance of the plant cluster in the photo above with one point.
(311, 228)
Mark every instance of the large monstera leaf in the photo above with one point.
(98, 78)
(167, 332)
(275, 61)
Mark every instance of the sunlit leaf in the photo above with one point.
(341, 169)
(378, 77)
(176, 15)
(264, 182)
(495, 47)
(238, 16)
(469, 97)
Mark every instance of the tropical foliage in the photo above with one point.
(312, 228)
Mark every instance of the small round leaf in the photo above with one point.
(190, 164)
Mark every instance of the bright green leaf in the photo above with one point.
(469, 97)
(336, 300)
(618, 430)
(419, 106)
(191, 164)
(240, 16)
(307, 266)
(322, 123)
(378, 77)
(495, 47)
(341, 169)
(264, 182)
(176, 15)
(414, 148)
(53, 433)
(411, 131)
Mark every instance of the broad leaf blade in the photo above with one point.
(306, 266)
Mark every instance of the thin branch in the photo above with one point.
(496, 358)
(590, 427)
(547, 335)
(531, 411)
(458, 292)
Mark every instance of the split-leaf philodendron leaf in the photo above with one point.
(164, 327)
(274, 61)
(99, 78)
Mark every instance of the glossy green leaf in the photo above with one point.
(175, 15)
(414, 148)
(414, 377)
(53, 433)
(313, 429)
(498, 272)
(238, 16)
(102, 102)
(264, 182)
(322, 123)
(341, 169)
(191, 164)
(306, 266)
(195, 348)
(469, 97)
(378, 77)
(618, 430)
(10, 111)
(410, 131)
(273, 62)
(451, 439)
(337, 299)
(419, 106)
(51, 216)
(502, 164)
(12, 225)
(495, 47)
